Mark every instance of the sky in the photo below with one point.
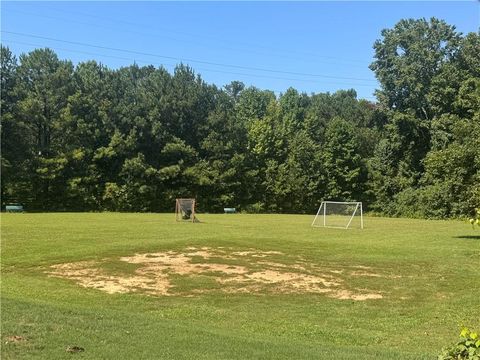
(310, 46)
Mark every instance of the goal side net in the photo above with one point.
(185, 210)
(339, 214)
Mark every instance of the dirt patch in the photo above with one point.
(154, 275)
(14, 339)
(296, 279)
(296, 266)
(89, 275)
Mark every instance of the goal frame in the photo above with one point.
(178, 210)
(323, 205)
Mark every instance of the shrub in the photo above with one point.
(256, 208)
(467, 348)
(476, 219)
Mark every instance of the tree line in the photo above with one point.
(91, 138)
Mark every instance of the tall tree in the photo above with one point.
(344, 173)
(407, 58)
(14, 152)
(43, 86)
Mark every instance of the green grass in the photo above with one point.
(433, 290)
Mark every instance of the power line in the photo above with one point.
(184, 59)
(86, 52)
(369, 98)
(249, 44)
(197, 68)
(279, 92)
(157, 34)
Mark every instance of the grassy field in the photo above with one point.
(231, 296)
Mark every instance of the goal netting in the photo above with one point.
(339, 214)
(185, 210)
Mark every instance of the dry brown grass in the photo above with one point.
(155, 271)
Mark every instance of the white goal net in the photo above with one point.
(339, 214)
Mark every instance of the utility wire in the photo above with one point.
(157, 34)
(279, 92)
(184, 59)
(196, 68)
(248, 44)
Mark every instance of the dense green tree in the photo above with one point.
(344, 173)
(14, 155)
(426, 69)
(408, 58)
(252, 104)
(89, 138)
(86, 126)
(43, 85)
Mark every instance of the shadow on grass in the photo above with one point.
(471, 237)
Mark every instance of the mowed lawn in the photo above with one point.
(428, 273)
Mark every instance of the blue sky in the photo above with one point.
(311, 46)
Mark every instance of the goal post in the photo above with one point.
(339, 215)
(185, 210)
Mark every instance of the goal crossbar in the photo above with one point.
(322, 212)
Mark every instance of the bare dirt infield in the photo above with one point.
(247, 271)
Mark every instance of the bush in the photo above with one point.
(476, 219)
(256, 208)
(467, 348)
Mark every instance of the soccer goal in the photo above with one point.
(185, 210)
(339, 214)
